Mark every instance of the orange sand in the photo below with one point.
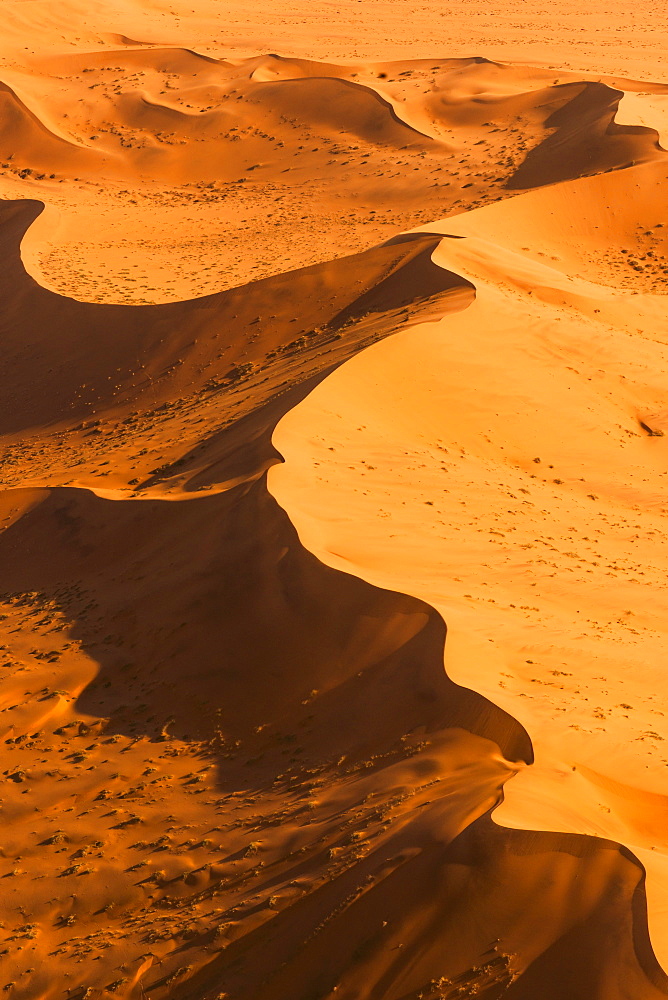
(305, 358)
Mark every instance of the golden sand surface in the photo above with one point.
(333, 538)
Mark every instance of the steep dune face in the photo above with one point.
(586, 140)
(332, 545)
(28, 142)
(146, 379)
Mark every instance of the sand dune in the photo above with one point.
(150, 146)
(332, 513)
(645, 109)
(552, 403)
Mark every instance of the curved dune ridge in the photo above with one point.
(257, 157)
(420, 385)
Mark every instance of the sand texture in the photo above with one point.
(333, 501)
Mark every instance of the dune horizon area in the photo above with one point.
(333, 500)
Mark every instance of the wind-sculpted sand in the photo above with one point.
(308, 360)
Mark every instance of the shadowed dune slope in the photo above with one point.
(329, 103)
(197, 646)
(25, 138)
(586, 140)
(153, 338)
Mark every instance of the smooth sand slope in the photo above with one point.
(305, 358)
